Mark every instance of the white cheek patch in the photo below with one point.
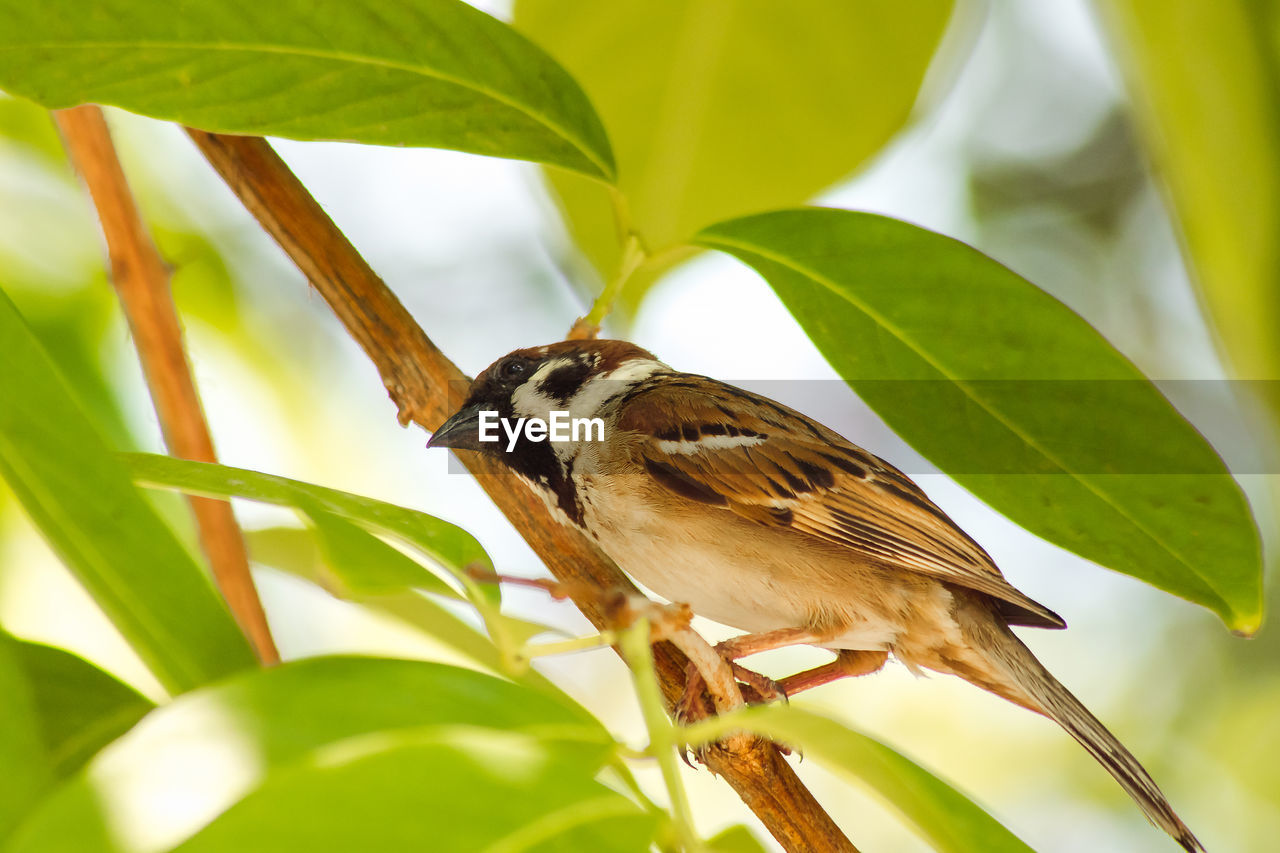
(588, 401)
(529, 402)
(634, 370)
(710, 442)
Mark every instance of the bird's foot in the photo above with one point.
(760, 689)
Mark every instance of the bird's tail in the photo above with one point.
(1039, 691)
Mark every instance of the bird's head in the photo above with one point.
(557, 385)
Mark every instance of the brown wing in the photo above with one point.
(718, 444)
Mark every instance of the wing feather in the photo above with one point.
(720, 445)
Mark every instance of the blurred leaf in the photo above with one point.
(30, 126)
(24, 763)
(1237, 727)
(718, 109)
(364, 565)
(50, 243)
(1094, 183)
(735, 839)
(524, 630)
(447, 544)
(320, 726)
(436, 73)
(202, 283)
(454, 789)
(1014, 396)
(81, 708)
(1205, 79)
(943, 816)
(72, 327)
(294, 551)
(79, 496)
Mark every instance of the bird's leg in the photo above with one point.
(751, 644)
(691, 707)
(848, 664)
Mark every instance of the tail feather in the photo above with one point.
(1046, 695)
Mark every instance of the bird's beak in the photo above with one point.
(461, 431)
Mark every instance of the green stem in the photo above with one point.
(621, 214)
(509, 651)
(559, 647)
(663, 737)
(714, 728)
(633, 255)
(618, 765)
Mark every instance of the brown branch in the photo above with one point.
(418, 377)
(141, 280)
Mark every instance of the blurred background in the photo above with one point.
(1024, 145)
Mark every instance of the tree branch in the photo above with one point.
(418, 378)
(141, 281)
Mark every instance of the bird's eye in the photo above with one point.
(512, 368)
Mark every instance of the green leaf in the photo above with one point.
(72, 328)
(24, 761)
(1205, 81)
(453, 789)
(943, 816)
(79, 496)
(436, 73)
(364, 565)
(735, 839)
(447, 544)
(361, 566)
(1015, 396)
(293, 749)
(718, 109)
(80, 708)
(293, 550)
(31, 127)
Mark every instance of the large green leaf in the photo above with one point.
(447, 544)
(1205, 81)
(718, 109)
(363, 565)
(24, 761)
(360, 566)
(451, 788)
(80, 496)
(295, 551)
(947, 819)
(431, 72)
(80, 708)
(1014, 395)
(324, 748)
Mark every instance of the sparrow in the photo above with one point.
(764, 520)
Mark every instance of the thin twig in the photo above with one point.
(141, 280)
(633, 255)
(418, 377)
(636, 646)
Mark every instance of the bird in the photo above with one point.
(762, 519)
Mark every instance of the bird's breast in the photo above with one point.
(745, 575)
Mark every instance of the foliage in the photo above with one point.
(1052, 426)
(81, 498)
(715, 112)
